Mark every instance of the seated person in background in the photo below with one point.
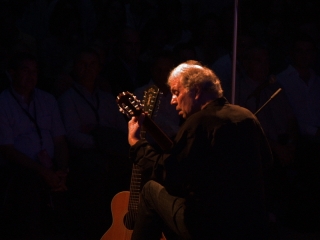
(96, 133)
(210, 184)
(277, 119)
(85, 108)
(223, 65)
(126, 72)
(32, 141)
(301, 85)
(184, 52)
(64, 81)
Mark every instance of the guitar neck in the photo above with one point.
(135, 188)
(164, 142)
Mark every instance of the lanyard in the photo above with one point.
(33, 120)
(94, 109)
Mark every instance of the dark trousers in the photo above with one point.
(157, 211)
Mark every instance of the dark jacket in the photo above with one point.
(217, 163)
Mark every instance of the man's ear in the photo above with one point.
(197, 93)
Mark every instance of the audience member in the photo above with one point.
(111, 22)
(91, 58)
(177, 30)
(302, 86)
(127, 72)
(276, 117)
(33, 17)
(306, 24)
(223, 66)
(300, 76)
(32, 141)
(96, 133)
(154, 38)
(139, 12)
(208, 39)
(184, 52)
(12, 39)
(277, 40)
(64, 39)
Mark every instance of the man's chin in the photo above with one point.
(182, 114)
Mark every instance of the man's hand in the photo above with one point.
(55, 180)
(134, 127)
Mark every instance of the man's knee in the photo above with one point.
(151, 189)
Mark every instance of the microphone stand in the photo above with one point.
(273, 95)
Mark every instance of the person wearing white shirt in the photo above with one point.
(32, 141)
(304, 98)
(302, 87)
(96, 134)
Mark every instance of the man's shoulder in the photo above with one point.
(238, 110)
(228, 112)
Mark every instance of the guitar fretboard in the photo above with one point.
(150, 99)
(135, 188)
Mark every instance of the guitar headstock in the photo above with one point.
(151, 100)
(129, 104)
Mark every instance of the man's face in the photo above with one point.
(304, 54)
(26, 76)
(87, 67)
(184, 99)
(130, 48)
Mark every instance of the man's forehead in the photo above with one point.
(174, 83)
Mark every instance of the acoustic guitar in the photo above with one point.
(124, 205)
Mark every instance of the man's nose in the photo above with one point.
(173, 100)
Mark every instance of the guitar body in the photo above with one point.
(119, 209)
(118, 230)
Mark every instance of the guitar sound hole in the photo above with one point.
(129, 220)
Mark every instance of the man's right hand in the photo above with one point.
(134, 127)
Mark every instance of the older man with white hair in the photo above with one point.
(210, 184)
